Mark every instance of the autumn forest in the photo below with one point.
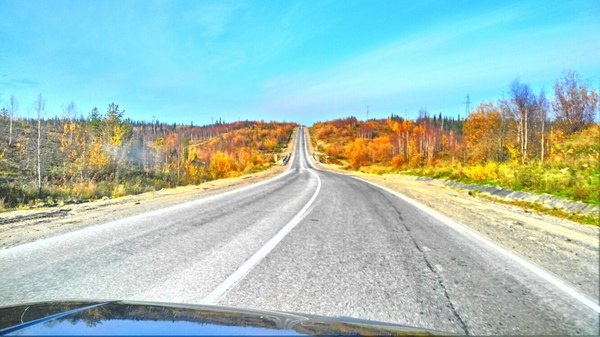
(525, 141)
(535, 141)
(105, 154)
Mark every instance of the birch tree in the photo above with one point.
(12, 110)
(39, 106)
(520, 107)
(575, 104)
(542, 111)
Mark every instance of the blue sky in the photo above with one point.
(301, 61)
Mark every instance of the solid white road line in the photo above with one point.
(476, 236)
(222, 289)
(463, 229)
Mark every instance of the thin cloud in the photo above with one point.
(18, 83)
(212, 18)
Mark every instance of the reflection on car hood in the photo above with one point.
(147, 318)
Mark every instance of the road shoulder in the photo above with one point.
(569, 250)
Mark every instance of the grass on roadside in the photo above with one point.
(574, 183)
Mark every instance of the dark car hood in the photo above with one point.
(147, 318)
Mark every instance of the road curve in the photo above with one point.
(306, 241)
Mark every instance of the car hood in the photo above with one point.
(149, 318)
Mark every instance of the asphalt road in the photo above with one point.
(307, 241)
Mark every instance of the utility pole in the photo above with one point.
(467, 107)
(367, 113)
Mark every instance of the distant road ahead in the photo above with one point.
(307, 241)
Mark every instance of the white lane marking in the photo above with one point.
(474, 235)
(463, 229)
(302, 159)
(222, 289)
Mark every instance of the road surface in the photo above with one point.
(307, 241)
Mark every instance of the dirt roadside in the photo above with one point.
(567, 249)
(23, 226)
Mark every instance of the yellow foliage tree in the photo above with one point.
(357, 153)
(480, 131)
(221, 165)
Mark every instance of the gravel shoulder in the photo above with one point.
(569, 250)
(23, 226)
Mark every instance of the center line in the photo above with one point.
(222, 289)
